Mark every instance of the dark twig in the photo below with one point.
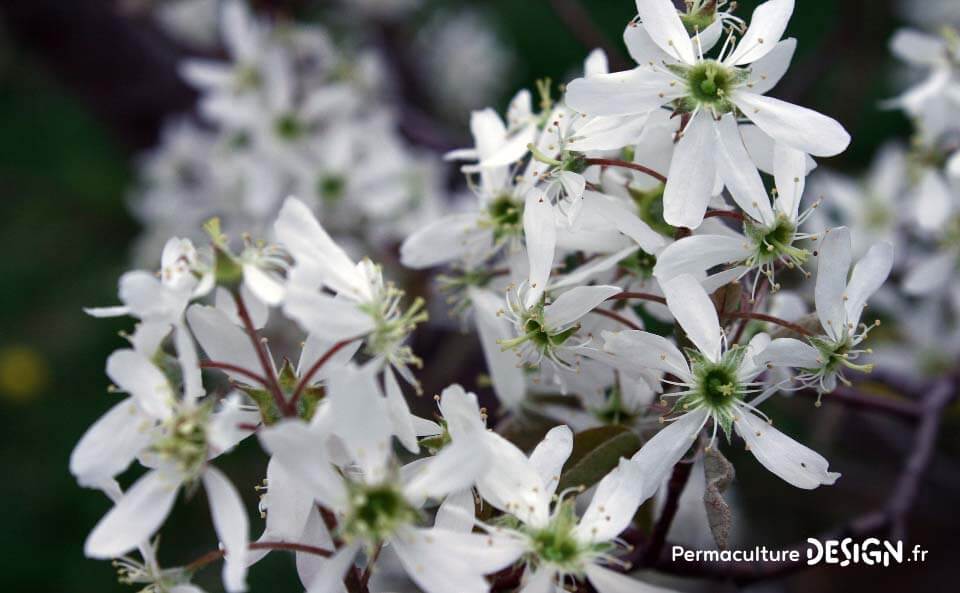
(769, 319)
(676, 484)
(627, 165)
(616, 317)
(644, 296)
(272, 384)
(215, 555)
(225, 366)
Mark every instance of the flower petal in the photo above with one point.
(696, 314)
(833, 265)
(698, 253)
(647, 351)
(540, 233)
(799, 127)
(739, 173)
(767, 25)
(575, 303)
(550, 454)
(663, 24)
(232, 527)
(658, 455)
(692, 173)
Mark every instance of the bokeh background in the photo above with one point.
(85, 86)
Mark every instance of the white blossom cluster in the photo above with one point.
(289, 111)
(636, 252)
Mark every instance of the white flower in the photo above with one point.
(936, 211)
(550, 331)
(174, 436)
(555, 545)
(840, 304)
(374, 503)
(364, 306)
(675, 72)
(714, 385)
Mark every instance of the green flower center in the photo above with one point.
(288, 127)
(331, 187)
(709, 84)
(775, 243)
(556, 544)
(505, 216)
(376, 512)
(716, 386)
(184, 440)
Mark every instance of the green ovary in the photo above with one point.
(376, 512)
(709, 84)
(505, 216)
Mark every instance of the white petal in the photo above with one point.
(303, 453)
(136, 516)
(695, 312)
(596, 63)
(454, 468)
(509, 382)
(792, 462)
(799, 127)
(646, 350)
(833, 265)
(575, 303)
(767, 72)
(934, 202)
(329, 318)
(790, 352)
(739, 173)
(605, 580)
(921, 49)
(355, 401)
(540, 233)
(288, 503)
(515, 487)
(265, 287)
(223, 341)
(624, 221)
(457, 512)
(108, 447)
(399, 412)
(767, 25)
(189, 362)
(790, 174)
(642, 48)
(135, 374)
(698, 253)
(329, 578)
(541, 581)
(315, 347)
(614, 504)
(692, 173)
(550, 454)
(663, 24)
(632, 92)
(441, 241)
(232, 527)
(461, 412)
(867, 277)
(658, 455)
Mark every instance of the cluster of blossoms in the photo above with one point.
(635, 252)
(288, 110)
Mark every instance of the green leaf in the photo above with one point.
(596, 452)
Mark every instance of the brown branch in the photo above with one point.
(724, 214)
(272, 384)
(644, 296)
(857, 400)
(215, 555)
(226, 366)
(676, 484)
(627, 165)
(769, 319)
(616, 317)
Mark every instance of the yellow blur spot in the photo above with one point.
(23, 373)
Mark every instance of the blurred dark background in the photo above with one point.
(85, 86)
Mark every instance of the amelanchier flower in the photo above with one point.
(706, 91)
(768, 238)
(714, 384)
(363, 306)
(377, 503)
(840, 301)
(557, 547)
(174, 436)
(936, 212)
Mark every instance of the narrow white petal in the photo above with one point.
(355, 401)
(931, 274)
(303, 453)
(456, 512)
(692, 173)
(550, 454)
(739, 173)
(329, 577)
(794, 463)
(632, 92)
(867, 277)
(232, 527)
(799, 127)
(790, 174)
(624, 221)
(647, 351)
(399, 412)
(108, 447)
(136, 516)
(265, 287)
(694, 311)
(540, 233)
(222, 340)
(509, 382)
(441, 241)
(663, 24)
(330, 318)
(769, 70)
(454, 468)
(658, 455)
(767, 25)
(614, 504)
(515, 487)
(575, 303)
(921, 49)
(833, 265)
(698, 253)
(541, 581)
(933, 203)
(135, 374)
(789, 352)
(605, 580)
